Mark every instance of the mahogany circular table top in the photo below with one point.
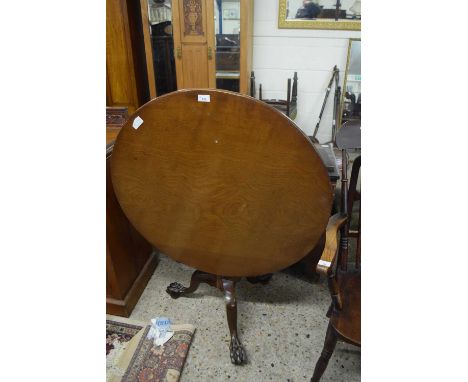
(230, 187)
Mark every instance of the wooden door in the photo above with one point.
(246, 44)
(121, 85)
(194, 43)
(126, 80)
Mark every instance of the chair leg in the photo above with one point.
(328, 348)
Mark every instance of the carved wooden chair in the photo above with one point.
(345, 290)
(355, 196)
(349, 137)
(345, 287)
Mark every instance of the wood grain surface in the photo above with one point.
(330, 249)
(230, 187)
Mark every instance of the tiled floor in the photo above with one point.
(282, 326)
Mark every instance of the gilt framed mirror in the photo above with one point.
(351, 95)
(320, 14)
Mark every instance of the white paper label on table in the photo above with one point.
(204, 98)
(137, 122)
(324, 263)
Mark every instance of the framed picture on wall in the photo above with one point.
(323, 14)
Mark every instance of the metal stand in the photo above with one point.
(335, 77)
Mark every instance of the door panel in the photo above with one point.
(193, 21)
(196, 73)
(193, 40)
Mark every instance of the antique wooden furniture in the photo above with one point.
(225, 184)
(202, 59)
(347, 138)
(126, 79)
(115, 119)
(130, 259)
(345, 287)
(345, 311)
(309, 263)
(354, 196)
(193, 30)
(287, 106)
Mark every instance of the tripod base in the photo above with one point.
(227, 285)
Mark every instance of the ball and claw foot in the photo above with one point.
(238, 356)
(175, 290)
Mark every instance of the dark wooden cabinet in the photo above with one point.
(130, 259)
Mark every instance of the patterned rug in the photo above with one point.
(131, 357)
(117, 333)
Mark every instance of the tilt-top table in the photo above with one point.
(223, 183)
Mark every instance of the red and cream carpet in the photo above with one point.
(131, 357)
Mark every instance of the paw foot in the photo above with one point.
(175, 290)
(238, 356)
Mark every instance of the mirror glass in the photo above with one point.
(162, 45)
(351, 98)
(323, 9)
(227, 32)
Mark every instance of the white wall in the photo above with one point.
(277, 53)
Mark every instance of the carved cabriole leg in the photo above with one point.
(227, 286)
(328, 348)
(237, 351)
(176, 290)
